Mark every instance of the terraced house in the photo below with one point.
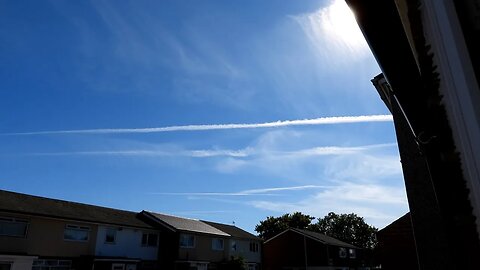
(48, 234)
(195, 244)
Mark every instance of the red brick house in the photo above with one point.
(302, 249)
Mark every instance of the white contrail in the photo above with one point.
(149, 153)
(209, 153)
(304, 122)
(250, 192)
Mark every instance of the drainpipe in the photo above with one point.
(305, 251)
(328, 255)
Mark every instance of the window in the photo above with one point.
(13, 227)
(187, 241)
(342, 252)
(149, 239)
(118, 266)
(253, 246)
(199, 266)
(351, 253)
(130, 266)
(110, 236)
(217, 244)
(76, 233)
(234, 245)
(5, 265)
(51, 265)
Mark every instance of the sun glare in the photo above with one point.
(339, 22)
(334, 32)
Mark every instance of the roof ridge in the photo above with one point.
(206, 221)
(65, 201)
(304, 231)
(172, 215)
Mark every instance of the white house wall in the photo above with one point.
(128, 243)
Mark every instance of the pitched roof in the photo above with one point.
(39, 206)
(186, 224)
(324, 239)
(233, 230)
(402, 224)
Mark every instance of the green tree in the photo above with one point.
(349, 228)
(272, 226)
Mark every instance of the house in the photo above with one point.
(396, 246)
(48, 234)
(295, 249)
(189, 243)
(42, 233)
(428, 53)
(241, 244)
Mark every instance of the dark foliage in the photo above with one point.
(349, 228)
(272, 226)
(235, 263)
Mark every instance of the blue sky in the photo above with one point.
(137, 105)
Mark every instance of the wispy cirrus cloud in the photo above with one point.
(378, 203)
(329, 162)
(210, 153)
(150, 153)
(337, 150)
(284, 123)
(250, 192)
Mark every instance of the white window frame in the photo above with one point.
(200, 265)
(13, 220)
(51, 264)
(114, 230)
(187, 235)
(220, 240)
(79, 228)
(120, 265)
(352, 253)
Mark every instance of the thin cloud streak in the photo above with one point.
(249, 192)
(304, 122)
(149, 153)
(338, 150)
(375, 202)
(208, 153)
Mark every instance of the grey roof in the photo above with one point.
(325, 239)
(186, 224)
(233, 230)
(39, 206)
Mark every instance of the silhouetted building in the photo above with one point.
(396, 246)
(302, 249)
(428, 53)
